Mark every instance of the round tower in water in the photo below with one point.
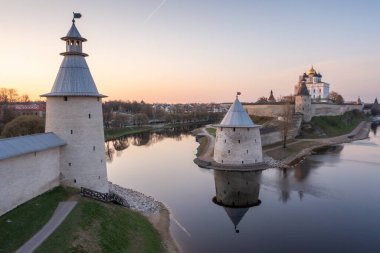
(74, 113)
(238, 140)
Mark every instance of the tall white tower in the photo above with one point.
(74, 113)
(238, 140)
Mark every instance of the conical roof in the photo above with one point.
(73, 34)
(236, 214)
(236, 116)
(74, 77)
(302, 89)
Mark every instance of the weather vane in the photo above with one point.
(237, 94)
(76, 15)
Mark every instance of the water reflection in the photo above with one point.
(374, 128)
(236, 192)
(145, 139)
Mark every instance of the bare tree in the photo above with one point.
(286, 124)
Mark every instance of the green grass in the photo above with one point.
(331, 126)
(99, 227)
(211, 131)
(28, 218)
(91, 227)
(282, 153)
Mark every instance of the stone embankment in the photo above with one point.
(136, 200)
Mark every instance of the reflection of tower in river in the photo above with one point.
(237, 191)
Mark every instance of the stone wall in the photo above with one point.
(317, 109)
(266, 110)
(274, 134)
(27, 176)
(325, 109)
(237, 146)
(79, 121)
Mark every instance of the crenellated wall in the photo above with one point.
(27, 176)
(266, 110)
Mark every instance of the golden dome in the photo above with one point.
(311, 71)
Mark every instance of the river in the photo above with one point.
(328, 203)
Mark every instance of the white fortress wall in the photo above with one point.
(27, 176)
(324, 109)
(266, 110)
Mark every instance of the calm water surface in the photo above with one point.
(329, 203)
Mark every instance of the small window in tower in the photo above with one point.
(222, 161)
(225, 141)
(247, 129)
(247, 151)
(229, 151)
(99, 177)
(255, 160)
(221, 129)
(71, 131)
(35, 153)
(69, 164)
(65, 98)
(89, 115)
(239, 141)
(75, 181)
(255, 140)
(98, 99)
(234, 129)
(101, 161)
(93, 148)
(72, 42)
(242, 162)
(77, 42)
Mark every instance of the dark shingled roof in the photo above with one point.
(302, 90)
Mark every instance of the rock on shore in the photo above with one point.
(136, 200)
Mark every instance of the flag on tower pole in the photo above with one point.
(77, 15)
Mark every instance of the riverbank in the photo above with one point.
(92, 226)
(156, 212)
(275, 155)
(114, 133)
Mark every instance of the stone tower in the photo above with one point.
(74, 113)
(238, 140)
(303, 100)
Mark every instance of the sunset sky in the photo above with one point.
(196, 50)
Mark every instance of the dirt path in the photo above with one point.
(208, 153)
(63, 209)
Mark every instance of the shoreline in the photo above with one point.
(156, 212)
(205, 160)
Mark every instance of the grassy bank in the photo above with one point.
(331, 126)
(114, 133)
(118, 132)
(211, 131)
(91, 227)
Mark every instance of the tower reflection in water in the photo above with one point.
(236, 192)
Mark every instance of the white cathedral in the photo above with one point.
(318, 90)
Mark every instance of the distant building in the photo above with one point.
(318, 90)
(271, 98)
